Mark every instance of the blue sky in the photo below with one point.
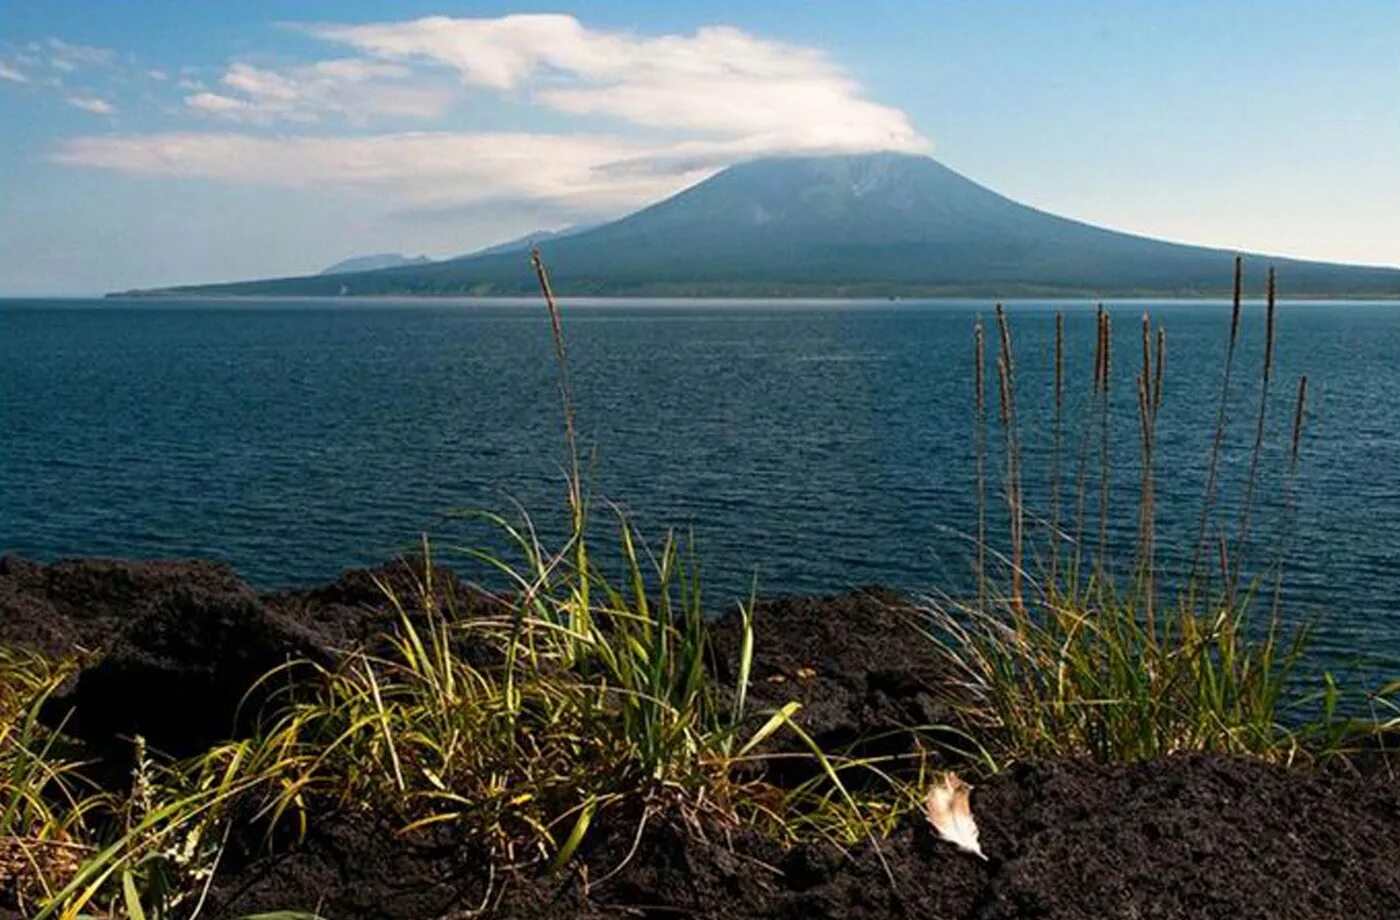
(146, 143)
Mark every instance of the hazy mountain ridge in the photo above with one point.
(523, 243)
(374, 263)
(867, 225)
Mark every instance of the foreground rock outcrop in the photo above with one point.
(168, 650)
(1189, 837)
(170, 647)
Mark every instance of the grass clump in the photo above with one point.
(70, 848)
(151, 851)
(1061, 658)
(524, 727)
(525, 724)
(43, 832)
(1073, 675)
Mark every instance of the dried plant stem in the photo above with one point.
(1298, 417)
(1213, 471)
(1223, 546)
(1290, 496)
(1057, 437)
(1006, 376)
(1147, 351)
(1149, 397)
(1105, 343)
(1098, 348)
(1258, 449)
(1145, 552)
(562, 370)
(577, 510)
(1158, 370)
(979, 437)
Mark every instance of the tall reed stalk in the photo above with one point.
(1257, 450)
(1006, 377)
(979, 437)
(1105, 348)
(579, 610)
(1149, 385)
(1218, 441)
(1056, 447)
(1290, 488)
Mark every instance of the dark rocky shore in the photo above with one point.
(170, 649)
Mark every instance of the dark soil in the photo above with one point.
(1191, 837)
(168, 649)
(856, 664)
(854, 661)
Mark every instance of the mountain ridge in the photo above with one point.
(373, 262)
(880, 224)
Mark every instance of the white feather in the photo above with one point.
(950, 812)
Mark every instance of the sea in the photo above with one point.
(796, 446)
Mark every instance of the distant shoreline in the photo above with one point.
(723, 298)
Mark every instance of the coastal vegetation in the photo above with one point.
(589, 696)
(1062, 659)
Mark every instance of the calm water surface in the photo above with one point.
(816, 445)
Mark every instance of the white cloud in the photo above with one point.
(654, 114)
(415, 169)
(350, 88)
(720, 80)
(571, 174)
(9, 73)
(69, 58)
(91, 104)
(214, 104)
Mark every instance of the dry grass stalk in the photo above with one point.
(1147, 346)
(1007, 381)
(1218, 442)
(1057, 437)
(1298, 416)
(557, 332)
(1290, 488)
(1149, 400)
(1147, 528)
(1157, 372)
(1105, 349)
(1238, 285)
(980, 442)
(1098, 348)
(1059, 363)
(578, 511)
(1271, 296)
